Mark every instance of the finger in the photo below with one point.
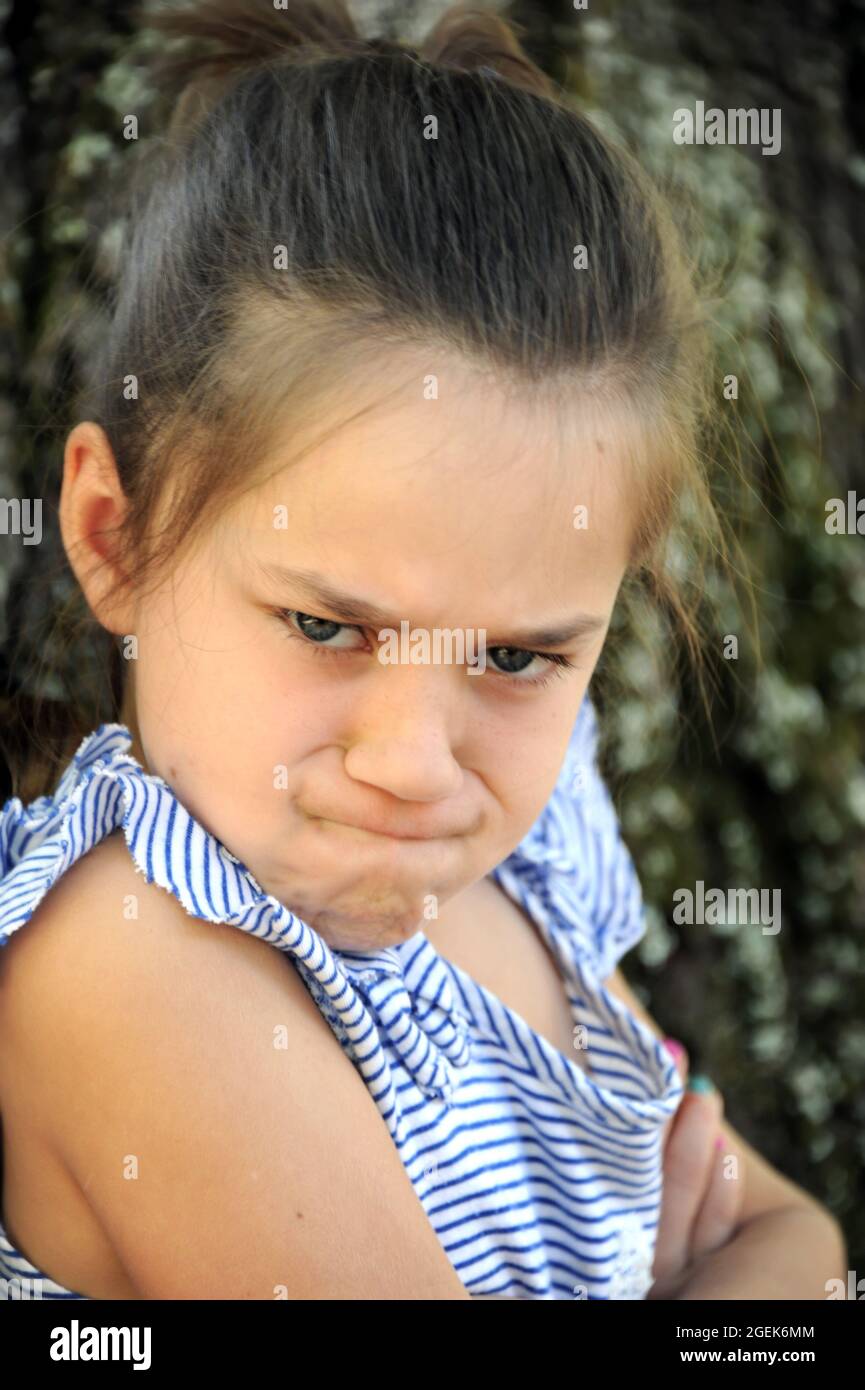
(688, 1162)
(718, 1216)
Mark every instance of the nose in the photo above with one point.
(404, 738)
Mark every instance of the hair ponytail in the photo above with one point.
(242, 34)
(246, 34)
(469, 39)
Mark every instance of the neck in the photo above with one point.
(128, 717)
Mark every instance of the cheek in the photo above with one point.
(544, 764)
(202, 660)
(528, 782)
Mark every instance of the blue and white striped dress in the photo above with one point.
(542, 1179)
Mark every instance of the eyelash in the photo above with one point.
(557, 664)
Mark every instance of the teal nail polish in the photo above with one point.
(700, 1083)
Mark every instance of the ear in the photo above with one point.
(93, 506)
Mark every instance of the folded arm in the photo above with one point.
(782, 1244)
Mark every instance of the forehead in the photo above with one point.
(475, 484)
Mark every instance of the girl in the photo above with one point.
(403, 363)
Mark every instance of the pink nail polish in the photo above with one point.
(674, 1047)
(719, 1142)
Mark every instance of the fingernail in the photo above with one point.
(700, 1083)
(719, 1142)
(674, 1047)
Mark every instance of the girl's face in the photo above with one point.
(364, 793)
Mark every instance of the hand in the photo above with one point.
(700, 1205)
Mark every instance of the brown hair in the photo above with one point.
(294, 221)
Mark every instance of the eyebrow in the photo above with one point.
(362, 613)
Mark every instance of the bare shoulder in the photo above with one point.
(104, 950)
(227, 1145)
(39, 948)
(101, 934)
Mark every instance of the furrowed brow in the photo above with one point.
(353, 609)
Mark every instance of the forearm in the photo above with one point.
(788, 1253)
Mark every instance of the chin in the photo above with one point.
(365, 912)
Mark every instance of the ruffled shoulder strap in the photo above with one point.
(573, 871)
(39, 841)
